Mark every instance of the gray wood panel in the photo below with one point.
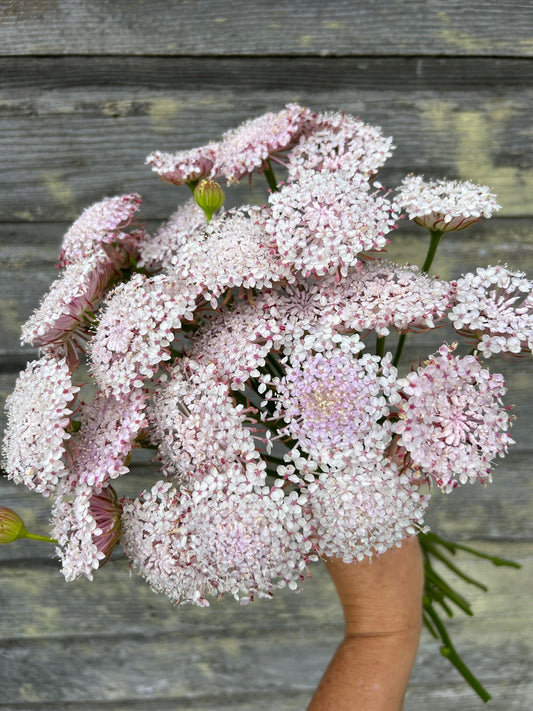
(302, 27)
(116, 645)
(64, 146)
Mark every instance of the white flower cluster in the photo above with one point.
(239, 346)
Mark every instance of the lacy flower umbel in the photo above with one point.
(257, 353)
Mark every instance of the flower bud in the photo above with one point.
(209, 196)
(11, 525)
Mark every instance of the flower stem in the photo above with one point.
(37, 537)
(433, 244)
(432, 249)
(269, 175)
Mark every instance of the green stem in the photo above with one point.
(269, 175)
(37, 537)
(399, 349)
(432, 249)
(448, 651)
(433, 244)
(380, 346)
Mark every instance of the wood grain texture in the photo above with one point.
(116, 645)
(73, 132)
(302, 27)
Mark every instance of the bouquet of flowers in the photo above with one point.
(257, 352)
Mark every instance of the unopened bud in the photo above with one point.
(11, 525)
(209, 196)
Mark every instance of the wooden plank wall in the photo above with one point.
(87, 90)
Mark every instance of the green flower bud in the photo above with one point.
(209, 196)
(12, 528)
(11, 525)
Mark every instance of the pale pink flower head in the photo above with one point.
(249, 146)
(220, 539)
(104, 441)
(451, 420)
(238, 341)
(136, 329)
(364, 509)
(87, 526)
(337, 141)
(495, 306)
(380, 295)
(99, 225)
(445, 205)
(188, 166)
(324, 221)
(39, 412)
(234, 251)
(164, 248)
(335, 405)
(196, 424)
(64, 321)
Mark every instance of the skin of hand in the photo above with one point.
(382, 605)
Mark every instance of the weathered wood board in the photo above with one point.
(242, 27)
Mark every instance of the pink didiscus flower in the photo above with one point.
(108, 428)
(495, 305)
(445, 205)
(249, 146)
(451, 420)
(234, 251)
(364, 509)
(381, 295)
(136, 329)
(86, 525)
(230, 539)
(324, 221)
(337, 141)
(196, 424)
(238, 341)
(39, 414)
(64, 320)
(100, 224)
(187, 166)
(335, 405)
(160, 251)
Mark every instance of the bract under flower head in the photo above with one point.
(39, 413)
(445, 205)
(337, 141)
(324, 221)
(495, 305)
(86, 525)
(452, 421)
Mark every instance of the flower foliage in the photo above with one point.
(240, 348)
